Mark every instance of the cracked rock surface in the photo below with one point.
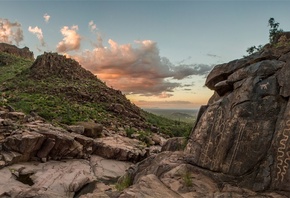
(65, 178)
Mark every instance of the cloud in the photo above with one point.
(38, 32)
(92, 26)
(46, 17)
(10, 32)
(137, 68)
(183, 71)
(71, 40)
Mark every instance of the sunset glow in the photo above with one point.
(157, 53)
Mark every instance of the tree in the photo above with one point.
(273, 31)
(254, 49)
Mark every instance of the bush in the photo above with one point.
(124, 182)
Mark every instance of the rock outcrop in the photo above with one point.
(12, 49)
(69, 178)
(239, 146)
(25, 138)
(53, 64)
(244, 130)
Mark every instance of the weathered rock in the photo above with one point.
(65, 145)
(108, 170)
(119, 148)
(12, 49)
(91, 129)
(169, 174)
(53, 64)
(76, 129)
(174, 144)
(244, 132)
(159, 140)
(70, 178)
(145, 186)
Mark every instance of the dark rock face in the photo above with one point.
(244, 131)
(12, 49)
(49, 64)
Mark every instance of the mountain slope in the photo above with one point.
(60, 90)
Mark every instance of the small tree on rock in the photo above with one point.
(273, 31)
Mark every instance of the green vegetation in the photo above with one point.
(65, 101)
(11, 65)
(53, 108)
(168, 126)
(273, 32)
(129, 132)
(124, 183)
(254, 49)
(186, 177)
(179, 115)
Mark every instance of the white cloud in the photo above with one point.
(71, 40)
(46, 17)
(92, 26)
(38, 32)
(10, 32)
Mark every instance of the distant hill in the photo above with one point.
(182, 115)
(12, 49)
(60, 90)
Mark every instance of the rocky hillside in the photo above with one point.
(61, 91)
(12, 49)
(240, 145)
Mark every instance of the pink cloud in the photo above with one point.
(71, 40)
(10, 32)
(137, 68)
(38, 32)
(46, 17)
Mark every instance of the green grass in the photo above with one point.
(186, 177)
(124, 183)
(167, 126)
(11, 65)
(59, 100)
(54, 108)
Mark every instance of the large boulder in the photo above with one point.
(243, 131)
(91, 129)
(120, 148)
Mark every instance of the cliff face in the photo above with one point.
(244, 130)
(239, 146)
(12, 49)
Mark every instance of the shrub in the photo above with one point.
(124, 182)
(186, 177)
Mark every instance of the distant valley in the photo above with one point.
(183, 115)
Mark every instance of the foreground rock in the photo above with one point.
(61, 178)
(25, 138)
(120, 148)
(169, 174)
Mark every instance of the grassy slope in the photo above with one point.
(50, 98)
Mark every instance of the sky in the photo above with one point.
(158, 53)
